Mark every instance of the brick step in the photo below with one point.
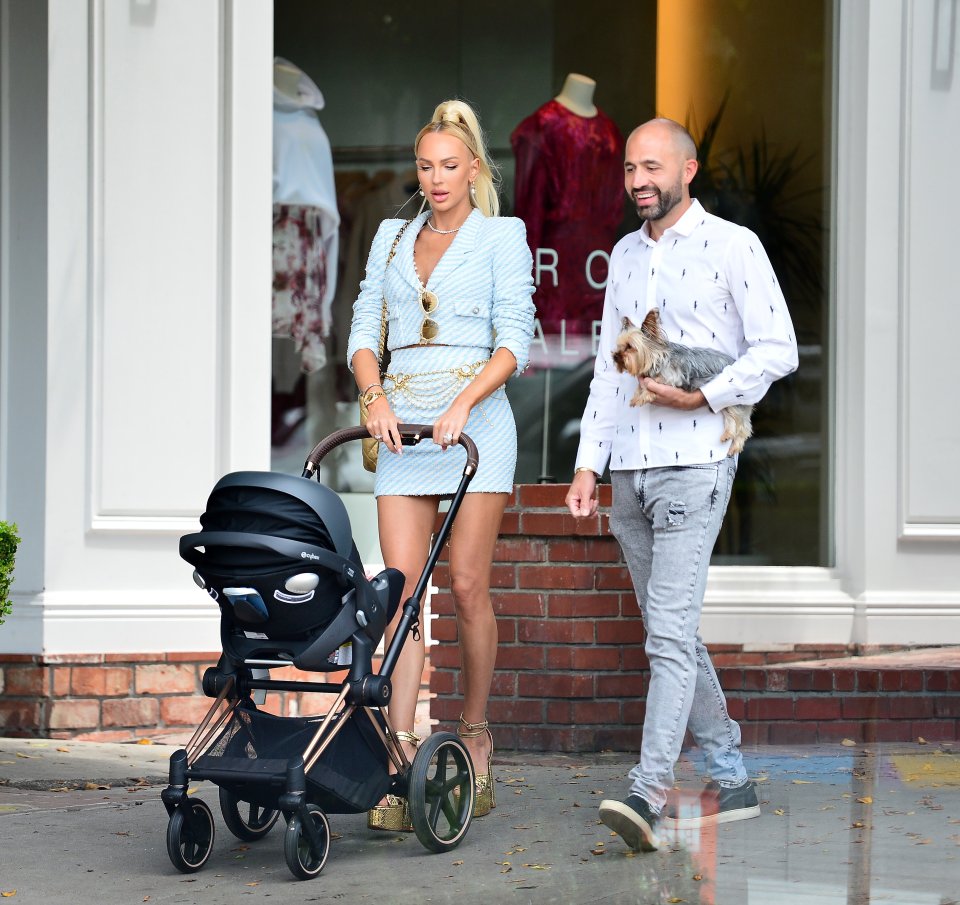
(901, 696)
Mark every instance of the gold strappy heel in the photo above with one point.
(394, 816)
(486, 797)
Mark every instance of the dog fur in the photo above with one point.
(645, 351)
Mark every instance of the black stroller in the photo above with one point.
(277, 555)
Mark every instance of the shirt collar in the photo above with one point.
(690, 220)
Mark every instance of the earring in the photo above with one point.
(473, 191)
(421, 193)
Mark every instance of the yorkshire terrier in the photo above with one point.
(645, 351)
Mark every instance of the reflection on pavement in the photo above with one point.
(851, 825)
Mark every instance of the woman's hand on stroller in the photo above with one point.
(447, 428)
(382, 424)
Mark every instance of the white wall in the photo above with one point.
(158, 269)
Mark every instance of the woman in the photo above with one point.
(456, 282)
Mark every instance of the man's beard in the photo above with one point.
(666, 202)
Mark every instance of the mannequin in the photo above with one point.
(577, 95)
(569, 193)
(306, 218)
(306, 222)
(286, 79)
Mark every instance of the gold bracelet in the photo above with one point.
(584, 468)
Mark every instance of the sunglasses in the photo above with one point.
(429, 328)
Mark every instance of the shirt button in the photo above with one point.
(476, 309)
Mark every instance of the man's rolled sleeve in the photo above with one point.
(769, 349)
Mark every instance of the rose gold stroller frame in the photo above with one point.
(361, 692)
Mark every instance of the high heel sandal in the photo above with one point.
(486, 797)
(394, 816)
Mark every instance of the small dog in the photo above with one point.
(645, 352)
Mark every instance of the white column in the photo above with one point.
(158, 264)
(898, 508)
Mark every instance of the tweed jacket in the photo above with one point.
(484, 282)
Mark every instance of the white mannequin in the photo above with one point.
(577, 95)
(286, 79)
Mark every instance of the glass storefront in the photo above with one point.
(760, 109)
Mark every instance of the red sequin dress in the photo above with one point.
(569, 193)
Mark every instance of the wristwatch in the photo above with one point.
(371, 396)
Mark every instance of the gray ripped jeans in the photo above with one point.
(667, 521)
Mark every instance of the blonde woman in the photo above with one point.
(458, 293)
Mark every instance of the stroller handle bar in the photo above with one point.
(410, 435)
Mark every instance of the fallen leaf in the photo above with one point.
(254, 883)
(779, 812)
(673, 900)
(849, 743)
(921, 740)
(803, 782)
(9, 894)
(458, 863)
(865, 800)
(856, 825)
(26, 756)
(923, 842)
(698, 877)
(598, 851)
(538, 866)
(64, 750)
(144, 741)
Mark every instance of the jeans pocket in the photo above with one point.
(687, 491)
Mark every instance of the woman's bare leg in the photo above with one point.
(406, 525)
(471, 557)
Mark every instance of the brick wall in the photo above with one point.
(120, 697)
(572, 674)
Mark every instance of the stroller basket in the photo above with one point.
(256, 748)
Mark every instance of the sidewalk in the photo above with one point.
(840, 824)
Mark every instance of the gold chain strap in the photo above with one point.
(383, 294)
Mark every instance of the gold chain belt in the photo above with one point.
(432, 389)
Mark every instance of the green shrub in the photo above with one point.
(9, 540)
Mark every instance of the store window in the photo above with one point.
(751, 80)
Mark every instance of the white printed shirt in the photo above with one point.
(714, 287)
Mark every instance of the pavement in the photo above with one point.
(841, 824)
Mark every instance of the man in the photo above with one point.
(714, 287)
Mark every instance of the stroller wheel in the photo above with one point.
(441, 791)
(304, 860)
(245, 820)
(190, 835)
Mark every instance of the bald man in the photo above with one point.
(713, 286)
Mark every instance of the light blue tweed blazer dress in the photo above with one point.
(484, 283)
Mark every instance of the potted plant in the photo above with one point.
(9, 541)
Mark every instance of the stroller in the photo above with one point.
(276, 554)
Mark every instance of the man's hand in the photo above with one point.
(582, 498)
(673, 397)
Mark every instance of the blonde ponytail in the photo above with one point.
(458, 118)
